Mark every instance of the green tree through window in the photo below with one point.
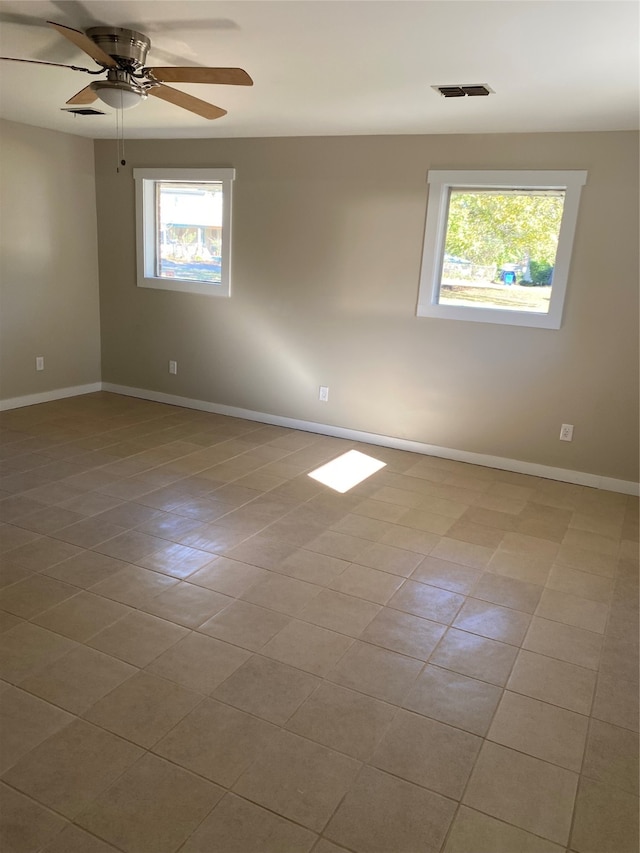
(499, 228)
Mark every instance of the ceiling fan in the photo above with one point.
(122, 54)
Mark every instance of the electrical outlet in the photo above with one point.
(39, 362)
(173, 367)
(323, 394)
(566, 432)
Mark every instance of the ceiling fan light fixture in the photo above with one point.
(118, 95)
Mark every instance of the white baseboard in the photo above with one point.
(48, 396)
(595, 481)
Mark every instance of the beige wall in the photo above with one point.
(48, 254)
(326, 255)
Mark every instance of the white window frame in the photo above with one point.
(441, 182)
(146, 229)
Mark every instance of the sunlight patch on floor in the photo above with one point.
(347, 471)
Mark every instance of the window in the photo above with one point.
(184, 229)
(497, 246)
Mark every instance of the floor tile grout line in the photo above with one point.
(477, 758)
(398, 708)
(68, 821)
(591, 717)
(295, 617)
(186, 580)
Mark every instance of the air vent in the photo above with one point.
(84, 111)
(459, 91)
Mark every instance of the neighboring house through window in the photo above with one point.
(184, 229)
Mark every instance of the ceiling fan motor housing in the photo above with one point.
(128, 47)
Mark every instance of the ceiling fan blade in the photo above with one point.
(84, 96)
(86, 44)
(188, 102)
(225, 76)
(23, 20)
(42, 62)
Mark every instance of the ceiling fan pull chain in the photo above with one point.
(120, 161)
(119, 133)
(117, 139)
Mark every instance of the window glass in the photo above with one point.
(189, 235)
(500, 248)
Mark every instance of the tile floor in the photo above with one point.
(204, 650)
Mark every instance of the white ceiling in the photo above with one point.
(334, 67)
